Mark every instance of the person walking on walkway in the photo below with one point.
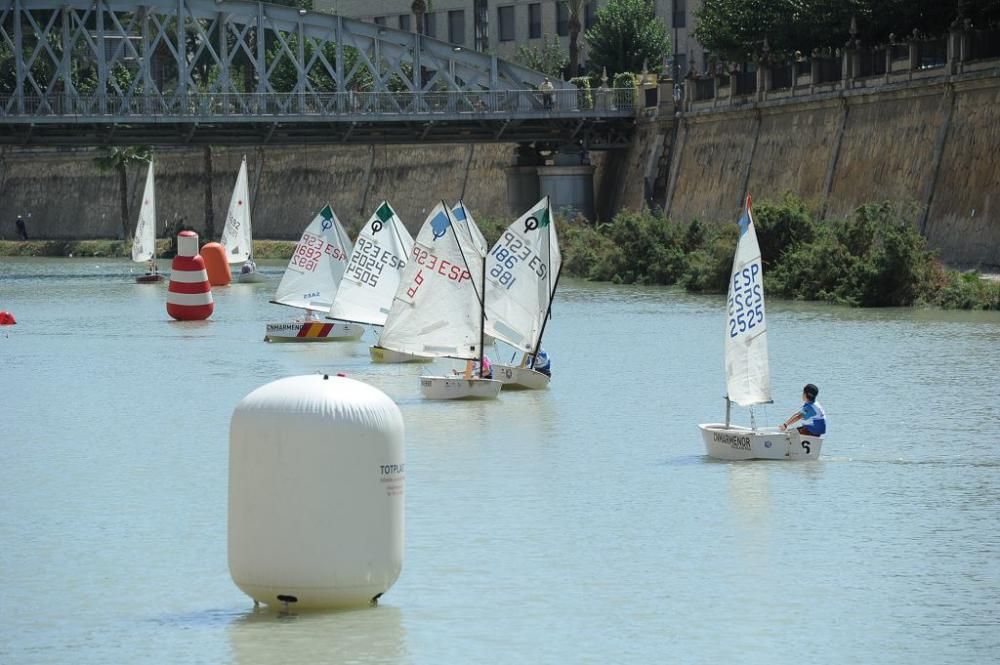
(22, 230)
(546, 89)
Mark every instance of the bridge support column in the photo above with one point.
(569, 183)
(522, 179)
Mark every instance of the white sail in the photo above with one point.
(521, 270)
(315, 270)
(748, 378)
(237, 237)
(144, 242)
(372, 277)
(436, 311)
(466, 226)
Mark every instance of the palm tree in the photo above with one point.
(419, 8)
(118, 160)
(209, 212)
(574, 26)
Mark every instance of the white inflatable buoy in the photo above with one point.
(316, 484)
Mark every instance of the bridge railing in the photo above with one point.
(387, 105)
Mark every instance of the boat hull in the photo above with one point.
(381, 354)
(742, 443)
(514, 377)
(149, 278)
(312, 331)
(253, 277)
(457, 387)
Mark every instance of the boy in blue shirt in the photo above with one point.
(811, 414)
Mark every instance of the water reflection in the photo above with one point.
(370, 635)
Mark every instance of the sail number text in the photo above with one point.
(508, 253)
(746, 300)
(434, 265)
(311, 249)
(369, 260)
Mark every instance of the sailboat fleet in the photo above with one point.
(447, 295)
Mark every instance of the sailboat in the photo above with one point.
(144, 241)
(522, 272)
(438, 308)
(237, 236)
(310, 283)
(748, 374)
(371, 278)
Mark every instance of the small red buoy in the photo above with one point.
(7, 319)
(341, 374)
(189, 297)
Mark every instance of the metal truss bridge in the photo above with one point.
(231, 72)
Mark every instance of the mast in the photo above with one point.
(250, 211)
(480, 297)
(482, 319)
(155, 267)
(552, 291)
(548, 314)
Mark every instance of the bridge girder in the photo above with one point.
(130, 71)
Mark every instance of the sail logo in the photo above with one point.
(327, 214)
(533, 222)
(382, 217)
(440, 225)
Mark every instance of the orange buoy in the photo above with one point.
(189, 296)
(6, 319)
(216, 264)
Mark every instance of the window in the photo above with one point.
(535, 20)
(562, 19)
(404, 22)
(379, 20)
(456, 26)
(430, 24)
(505, 19)
(680, 13)
(589, 15)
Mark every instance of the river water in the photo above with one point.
(578, 525)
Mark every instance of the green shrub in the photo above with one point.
(624, 80)
(586, 252)
(875, 258)
(585, 98)
(780, 226)
(969, 290)
(708, 268)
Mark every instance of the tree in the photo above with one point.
(209, 199)
(574, 27)
(549, 59)
(419, 8)
(626, 36)
(118, 160)
(736, 29)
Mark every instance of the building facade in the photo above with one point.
(500, 26)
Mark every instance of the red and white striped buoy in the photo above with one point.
(189, 297)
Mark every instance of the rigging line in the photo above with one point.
(480, 299)
(399, 238)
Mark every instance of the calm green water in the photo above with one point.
(578, 525)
